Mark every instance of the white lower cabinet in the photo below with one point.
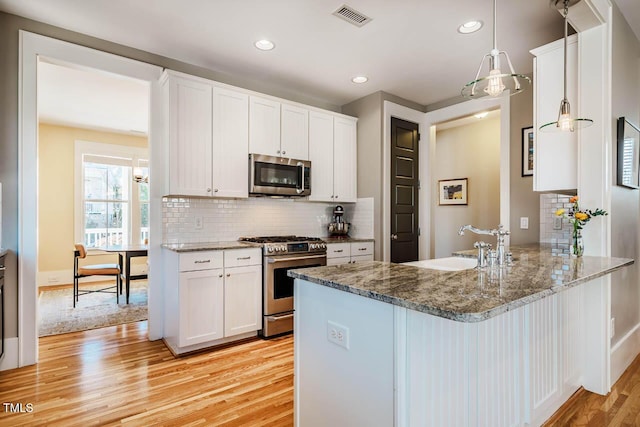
(349, 253)
(211, 297)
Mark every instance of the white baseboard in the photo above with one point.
(624, 352)
(10, 358)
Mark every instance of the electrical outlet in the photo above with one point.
(53, 279)
(557, 223)
(338, 334)
(524, 222)
(198, 223)
(613, 327)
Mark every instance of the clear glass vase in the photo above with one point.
(577, 244)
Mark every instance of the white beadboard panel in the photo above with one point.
(544, 351)
(499, 387)
(571, 314)
(228, 219)
(464, 374)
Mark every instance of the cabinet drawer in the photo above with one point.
(337, 250)
(361, 248)
(205, 260)
(361, 258)
(242, 257)
(338, 260)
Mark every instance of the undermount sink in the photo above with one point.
(452, 263)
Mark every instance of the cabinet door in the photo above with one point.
(321, 156)
(242, 300)
(201, 307)
(555, 153)
(189, 137)
(294, 137)
(361, 258)
(344, 160)
(230, 143)
(338, 250)
(338, 261)
(264, 126)
(361, 248)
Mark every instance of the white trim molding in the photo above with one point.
(32, 49)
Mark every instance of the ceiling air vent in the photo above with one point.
(351, 15)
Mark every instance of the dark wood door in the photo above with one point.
(404, 190)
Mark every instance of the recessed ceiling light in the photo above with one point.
(470, 27)
(481, 115)
(360, 79)
(264, 44)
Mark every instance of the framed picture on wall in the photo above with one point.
(452, 191)
(527, 151)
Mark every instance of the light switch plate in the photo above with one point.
(557, 223)
(524, 222)
(198, 223)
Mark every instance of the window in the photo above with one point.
(111, 208)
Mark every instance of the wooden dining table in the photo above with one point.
(125, 253)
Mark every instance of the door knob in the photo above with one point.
(394, 237)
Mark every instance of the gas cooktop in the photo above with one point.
(284, 245)
(280, 239)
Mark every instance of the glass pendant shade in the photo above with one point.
(565, 122)
(496, 83)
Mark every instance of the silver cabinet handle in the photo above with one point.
(3, 268)
(278, 151)
(243, 257)
(284, 152)
(228, 274)
(220, 275)
(338, 251)
(204, 261)
(394, 237)
(216, 190)
(208, 190)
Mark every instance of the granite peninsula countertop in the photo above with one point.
(209, 246)
(467, 295)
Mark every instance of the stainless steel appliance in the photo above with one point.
(281, 254)
(338, 227)
(279, 176)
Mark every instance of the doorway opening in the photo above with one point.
(93, 132)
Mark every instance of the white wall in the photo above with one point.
(471, 151)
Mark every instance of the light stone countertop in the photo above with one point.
(209, 246)
(336, 239)
(467, 295)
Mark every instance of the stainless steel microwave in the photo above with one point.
(279, 176)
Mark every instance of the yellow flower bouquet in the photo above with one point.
(578, 218)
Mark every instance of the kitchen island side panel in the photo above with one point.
(350, 385)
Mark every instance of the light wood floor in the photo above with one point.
(621, 407)
(114, 376)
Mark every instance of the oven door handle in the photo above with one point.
(276, 318)
(274, 260)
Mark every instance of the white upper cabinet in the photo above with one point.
(555, 153)
(189, 128)
(264, 126)
(321, 156)
(344, 160)
(276, 129)
(294, 137)
(230, 143)
(333, 155)
(208, 128)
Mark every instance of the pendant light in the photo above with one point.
(496, 83)
(565, 122)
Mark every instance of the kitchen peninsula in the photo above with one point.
(382, 344)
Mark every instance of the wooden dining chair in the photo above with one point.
(80, 271)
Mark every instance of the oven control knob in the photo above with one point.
(324, 246)
(312, 246)
(276, 249)
(269, 249)
(283, 248)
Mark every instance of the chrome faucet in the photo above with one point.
(500, 234)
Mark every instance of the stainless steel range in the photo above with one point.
(281, 254)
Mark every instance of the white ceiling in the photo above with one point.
(411, 47)
(80, 97)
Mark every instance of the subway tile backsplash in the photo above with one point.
(549, 204)
(228, 219)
